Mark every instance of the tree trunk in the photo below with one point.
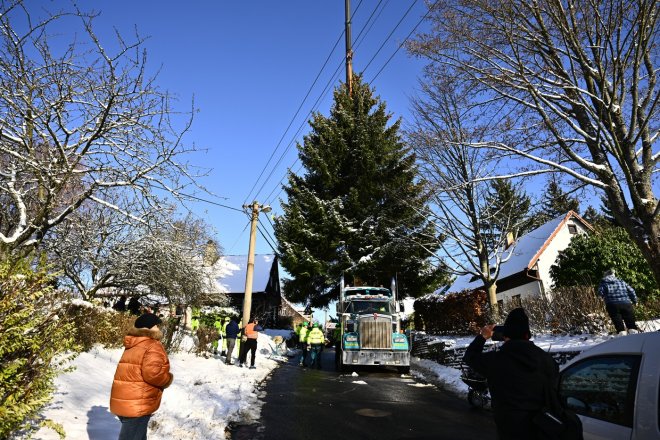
(492, 298)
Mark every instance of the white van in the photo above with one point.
(615, 387)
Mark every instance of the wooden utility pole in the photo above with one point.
(247, 299)
(349, 50)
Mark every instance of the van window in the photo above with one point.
(602, 387)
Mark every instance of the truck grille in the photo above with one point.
(375, 334)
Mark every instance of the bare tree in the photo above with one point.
(97, 249)
(473, 232)
(573, 85)
(78, 125)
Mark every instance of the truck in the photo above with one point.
(370, 331)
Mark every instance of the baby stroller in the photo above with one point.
(278, 349)
(478, 395)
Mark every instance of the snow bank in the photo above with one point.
(204, 398)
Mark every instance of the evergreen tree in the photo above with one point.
(589, 255)
(508, 211)
(357, 208)
(555, 203)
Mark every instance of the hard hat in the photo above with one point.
(226, 318)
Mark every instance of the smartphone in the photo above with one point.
(498, 333)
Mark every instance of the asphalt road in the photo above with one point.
(310, 404)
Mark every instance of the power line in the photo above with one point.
(404, 42)
(390, 35)
(298, 110)
(332, 79)
(238, 238)
(190, 196)
(267, 240)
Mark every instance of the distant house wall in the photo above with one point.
(560, 242)
(530, 289)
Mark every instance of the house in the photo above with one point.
(526, 271)
(288, 312)
(229, 272)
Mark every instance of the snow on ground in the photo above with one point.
(450, 378)
(204, 398)
(207, 395)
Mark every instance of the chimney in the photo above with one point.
(211, 254)
(509, 240)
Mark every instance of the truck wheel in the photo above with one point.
(339, 366)
(404, 370)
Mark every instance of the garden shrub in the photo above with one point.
(455, 313)
(565, 310)
(98, 325)
(36, 342)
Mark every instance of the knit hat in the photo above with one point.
(516, 325)
(147, 320)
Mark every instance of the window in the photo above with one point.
(572, 229)
(602, 387)
(516, 301)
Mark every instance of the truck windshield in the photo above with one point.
(369, 307)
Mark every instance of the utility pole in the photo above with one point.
(247, 300)
(349, 50)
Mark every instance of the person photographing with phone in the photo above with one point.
(517, 374)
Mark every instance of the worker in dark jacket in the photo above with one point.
(619, 300)
(231, 333)
(517, 374)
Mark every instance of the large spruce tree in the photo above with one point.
(508, 210)
(357, 208)
(556, 202)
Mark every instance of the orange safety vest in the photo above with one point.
(250, 331)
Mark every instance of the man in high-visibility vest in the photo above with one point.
(218, 328)
(223, 333)
(251, 333)
(302, 337)
(297, 332)
(315, 339)
(194, 322)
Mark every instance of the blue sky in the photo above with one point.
(249, 65)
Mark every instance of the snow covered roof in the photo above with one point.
(525, 252)
(230, 270)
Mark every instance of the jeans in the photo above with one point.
(230, 348)
(620, 313)
(134, 428)
(315, 356)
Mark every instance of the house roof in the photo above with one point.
(230, 270)
(525, 252)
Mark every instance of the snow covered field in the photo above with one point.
(207, 395)
(204, 398)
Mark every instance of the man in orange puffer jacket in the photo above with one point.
(142, 375)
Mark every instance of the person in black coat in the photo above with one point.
(231, 333)
(516, 376)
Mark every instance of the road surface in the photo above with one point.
(310, 404)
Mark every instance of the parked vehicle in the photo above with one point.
(370, 329)
(615, 387)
